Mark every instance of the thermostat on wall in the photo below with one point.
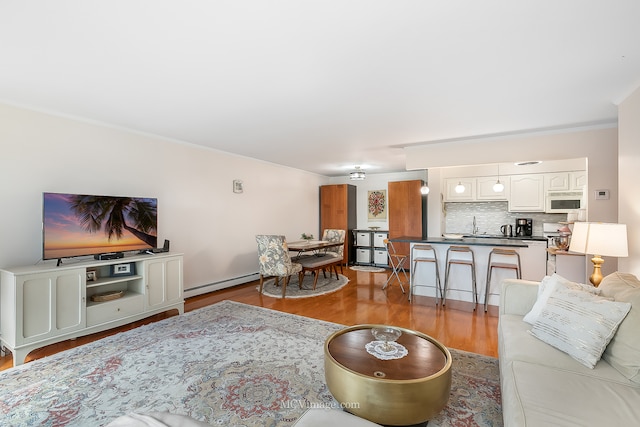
(602, 194)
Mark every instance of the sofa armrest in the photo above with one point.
(518, 296)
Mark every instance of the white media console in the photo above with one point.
(45, 304)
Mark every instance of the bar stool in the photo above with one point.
(501, 253)
(422, 259)
(396, 260)
(460, 261)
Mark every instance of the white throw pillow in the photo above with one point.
(548, 285)
(579, 323)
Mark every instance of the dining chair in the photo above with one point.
(396, 261)
(335, 236)
(275, 261)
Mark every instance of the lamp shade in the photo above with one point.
(599, 238)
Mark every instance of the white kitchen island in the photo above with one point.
(533, 258)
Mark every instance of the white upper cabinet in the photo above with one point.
(565, 181)
(526, 193)
(468, 195)
(485, 191)
(558, 181)
(577, 180)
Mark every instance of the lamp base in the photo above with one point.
(596, 276)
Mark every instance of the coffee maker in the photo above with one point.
(524, 227)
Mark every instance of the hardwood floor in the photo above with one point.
(362, 301)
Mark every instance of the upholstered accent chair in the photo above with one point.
(337, 236)
(275, 261)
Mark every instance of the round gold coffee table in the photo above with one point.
(405, 391)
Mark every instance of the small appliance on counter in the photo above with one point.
(524, 227)
(507, 230)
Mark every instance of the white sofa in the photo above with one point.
(543, 386)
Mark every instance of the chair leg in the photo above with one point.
(284, 285)
(315, 278)
(261, 282)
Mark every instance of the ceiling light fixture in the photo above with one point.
(424, 190)
(459, 187)
(357, 175)
(498, 187)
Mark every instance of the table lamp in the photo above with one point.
(599, 239)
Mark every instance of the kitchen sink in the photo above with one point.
(484, 236)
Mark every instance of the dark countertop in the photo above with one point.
(516, 242)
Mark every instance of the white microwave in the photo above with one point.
(564, 201)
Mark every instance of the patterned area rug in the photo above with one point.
(324, 286)
(367, 268)
(228, 364)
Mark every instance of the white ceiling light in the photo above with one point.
(357, 175)
(459, 188)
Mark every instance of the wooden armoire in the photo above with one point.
(407, 209)
(338, 210)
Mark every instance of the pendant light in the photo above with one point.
(459, 188)
(498, 187)
(424, 190)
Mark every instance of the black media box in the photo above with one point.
(110, 255)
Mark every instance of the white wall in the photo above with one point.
(599, 146)
(629, 177)
(197, 210)
(371, 183)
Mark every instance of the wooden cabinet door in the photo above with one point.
(338, 211)
(405, 206)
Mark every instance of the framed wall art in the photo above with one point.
(377, 205)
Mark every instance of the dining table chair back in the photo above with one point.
(274, 260)
(335, 236)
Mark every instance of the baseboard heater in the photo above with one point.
(216, 286)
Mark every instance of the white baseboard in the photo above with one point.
(203, 289)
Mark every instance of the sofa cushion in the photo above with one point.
(623, 352)
(536, 395)
(579, 323)
(548, 285)
(516, 344)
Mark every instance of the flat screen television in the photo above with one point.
(78, 224)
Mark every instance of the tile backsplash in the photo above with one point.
(490, 216)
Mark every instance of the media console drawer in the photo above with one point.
(129, 305)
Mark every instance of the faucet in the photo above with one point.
(475, 230)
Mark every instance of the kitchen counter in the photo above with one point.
(516, 242)
(533, 259)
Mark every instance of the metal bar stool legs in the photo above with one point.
(458, 261)
(396, 260)
(498, 264)
(422, 259)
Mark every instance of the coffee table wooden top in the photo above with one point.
(425, 357)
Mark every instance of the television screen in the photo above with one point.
(78, 224)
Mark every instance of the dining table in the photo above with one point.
(316, 247)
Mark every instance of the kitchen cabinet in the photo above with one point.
(565, 181)
(338, 211)
(407, 212)
(484, 188)
(526, 193)
(475, 189)
(577, 180)
(468, 195)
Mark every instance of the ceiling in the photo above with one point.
(322, 85)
